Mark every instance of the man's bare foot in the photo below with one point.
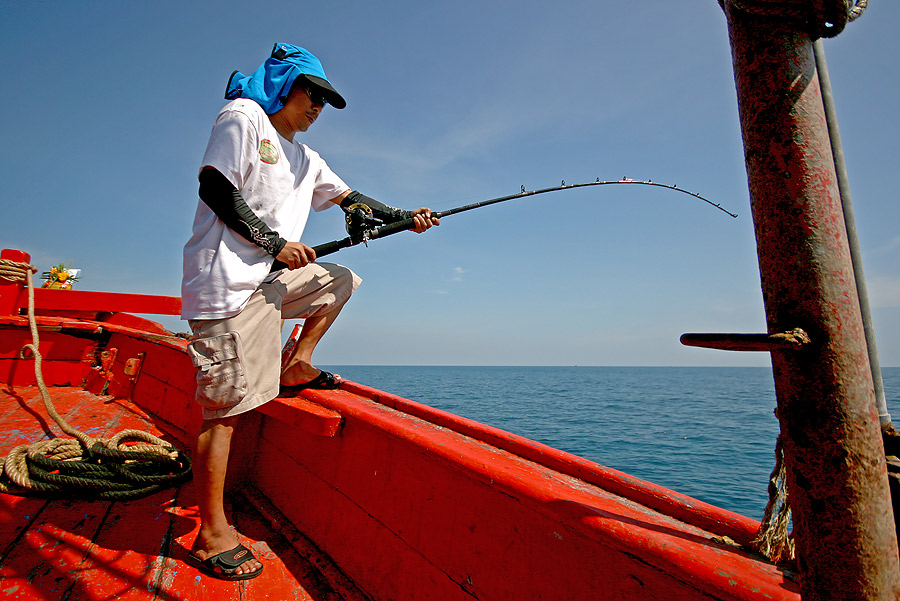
(301, 373)
(209, 545)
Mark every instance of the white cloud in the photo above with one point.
(457, 274)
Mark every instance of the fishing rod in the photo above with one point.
(362, 226)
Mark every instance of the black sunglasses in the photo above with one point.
(316, 97)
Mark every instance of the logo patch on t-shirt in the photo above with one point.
(267, 152)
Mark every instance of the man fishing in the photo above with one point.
(246, 270)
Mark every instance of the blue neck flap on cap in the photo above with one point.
(271, 83)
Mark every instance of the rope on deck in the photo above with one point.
(131, 464)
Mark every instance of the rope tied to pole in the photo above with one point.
(15, 271)
(773, 539)
(130, 464)
(819, 18)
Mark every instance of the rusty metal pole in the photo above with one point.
(837, 151)
(834, 458)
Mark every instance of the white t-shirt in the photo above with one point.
(280, 181)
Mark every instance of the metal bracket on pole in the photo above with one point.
(792, 340)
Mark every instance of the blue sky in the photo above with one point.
(107, 107)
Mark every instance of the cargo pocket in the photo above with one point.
(221, 382)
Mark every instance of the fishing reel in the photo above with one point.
(360, 219)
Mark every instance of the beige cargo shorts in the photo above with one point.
(238, 359)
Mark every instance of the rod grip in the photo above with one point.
(331, 247)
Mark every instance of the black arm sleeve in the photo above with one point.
(227, 203)
(380, 210)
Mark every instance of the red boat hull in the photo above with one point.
(410, 502)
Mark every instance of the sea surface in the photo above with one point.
(708, 432)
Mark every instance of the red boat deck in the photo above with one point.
(92, 550)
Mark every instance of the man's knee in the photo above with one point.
(317, 289)
(345, 277)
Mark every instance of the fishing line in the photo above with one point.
(362, 227)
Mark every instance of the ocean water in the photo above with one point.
(708, 432)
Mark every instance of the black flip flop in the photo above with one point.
(324, 381)
(224, 565)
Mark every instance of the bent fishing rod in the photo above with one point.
(362, 227)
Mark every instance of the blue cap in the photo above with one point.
(270, 84)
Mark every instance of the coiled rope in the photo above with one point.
(819, 18)
(131, 464)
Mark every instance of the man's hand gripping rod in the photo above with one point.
(407, 224)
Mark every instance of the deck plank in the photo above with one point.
(46, 561)
(16, 515)
(25, 419)
(125, 559)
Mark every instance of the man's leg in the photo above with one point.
(300, 368)
(316, 293)
(210, 466)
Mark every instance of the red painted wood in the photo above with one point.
(703, 515)
(130, 417)
(305, 415)
(124, 561)
(165, 384)
(33, 422)
(45, 563)
(11, 292)
(173, 406)
(47, 299)
(53, 347)
(14, 400)
(21, 373)
(64, 356)
(26, 422)
(16, 515)
(330, 581)
(474, 520)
